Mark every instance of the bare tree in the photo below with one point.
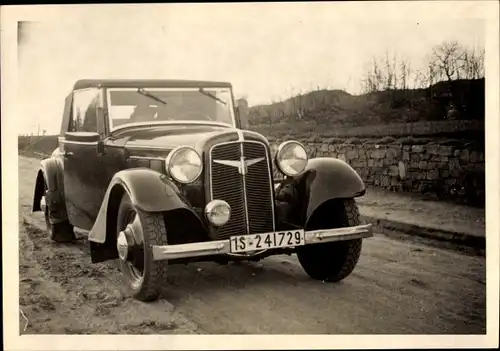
(377, 75)
(453, 61)
(382, 74)
(431, 77)
(473, 63)
(419, 79)
(389, 74)
(373, 79)
(405, 73)
(447, 60)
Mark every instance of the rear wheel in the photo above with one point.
(332, 261)
(58, 232)
(136, 232)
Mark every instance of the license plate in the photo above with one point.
(289, 238)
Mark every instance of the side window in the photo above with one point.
(84, 112)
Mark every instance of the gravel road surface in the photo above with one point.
(398, 287)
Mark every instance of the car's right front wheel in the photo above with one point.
(332, 261)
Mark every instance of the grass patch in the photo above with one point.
(43, 145)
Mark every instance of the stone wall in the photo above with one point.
(455, 171)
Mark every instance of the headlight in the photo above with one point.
(218, 212)
(184, 164)
(291, 158)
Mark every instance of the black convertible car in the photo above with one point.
(163, 171)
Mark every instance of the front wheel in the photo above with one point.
(136, 232)
(333, 261)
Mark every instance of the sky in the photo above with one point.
(266, 52)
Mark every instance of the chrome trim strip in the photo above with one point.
(169, 252)
(241, 136)
(147, 158)
(79, 142)
(243, 176)
(271, 179)
(169, 123)
(154, 148)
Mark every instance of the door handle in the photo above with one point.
(66, 154)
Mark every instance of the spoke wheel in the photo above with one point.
(136, 232)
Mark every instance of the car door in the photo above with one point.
(84, 171)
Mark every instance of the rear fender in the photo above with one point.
(50, 173)
(324, 179)
(148, 190)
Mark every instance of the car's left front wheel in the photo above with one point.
(137, 231)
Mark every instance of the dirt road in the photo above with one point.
(397, 288)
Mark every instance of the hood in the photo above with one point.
(162, 139)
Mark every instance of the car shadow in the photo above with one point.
(207, 280)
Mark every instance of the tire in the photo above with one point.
(146, 285)
(62, 232)
(333, 261)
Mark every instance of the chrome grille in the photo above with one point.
(227, 185)
(258, 190)
(251, 211)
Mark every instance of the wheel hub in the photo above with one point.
(123, 244)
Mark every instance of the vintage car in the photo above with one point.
(163, 171)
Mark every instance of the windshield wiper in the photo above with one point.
(151, 96)
(201, 90)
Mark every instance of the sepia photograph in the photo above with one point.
(269, 173)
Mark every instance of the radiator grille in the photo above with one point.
(258, 190)
(227, 185)
(251, 211)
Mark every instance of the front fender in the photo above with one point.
(149, 191)
(324, 178)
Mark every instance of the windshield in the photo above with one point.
(132, 105)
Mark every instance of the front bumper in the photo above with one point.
(208, 248)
